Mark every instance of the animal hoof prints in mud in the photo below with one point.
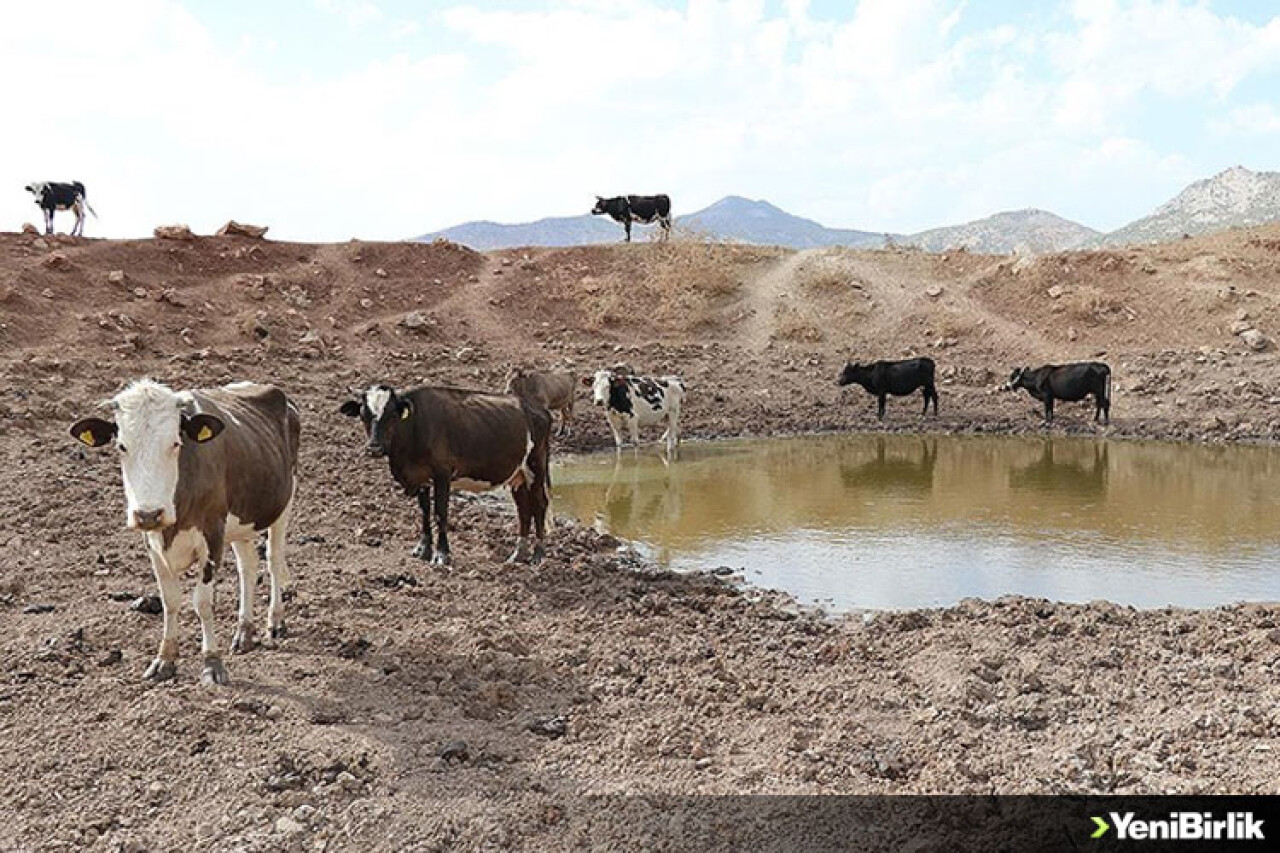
(215, 674)
(161, 670)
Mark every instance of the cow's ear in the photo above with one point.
(202, 427)
(351, 409)
(404, 407)
(93, 432)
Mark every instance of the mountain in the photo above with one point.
(737, 218)
(1025, 231)
(1235, 198)
(731, 218)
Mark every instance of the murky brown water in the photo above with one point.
(901, 521)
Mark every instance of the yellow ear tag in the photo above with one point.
(87, 438)
(404, 414)
(204, 434)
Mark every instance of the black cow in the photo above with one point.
(898, 378)
(636, 208)
(437, 439)
(52, 196)
(1069, 382)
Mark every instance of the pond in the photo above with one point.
(895, 522)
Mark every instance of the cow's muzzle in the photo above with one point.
(375, 451)
(148, 519)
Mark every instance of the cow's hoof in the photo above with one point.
(279, 630)
(243, 641)
(161, 670)
(442, 558)
(215, 674)
(539, 554)
(422, 551)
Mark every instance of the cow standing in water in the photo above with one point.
(1070, 382)
(202, 468)
(631, 402)
(646, 209)
(436, 439)
(899, 378)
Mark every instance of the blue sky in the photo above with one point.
(382, 119)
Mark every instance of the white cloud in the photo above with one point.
(899, 116)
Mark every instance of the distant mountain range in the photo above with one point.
(1235, 198)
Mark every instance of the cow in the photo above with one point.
(202, 468)
(553, 390)
(437, 438)
(636, 208)
(635, 401)
(898, 378)
(52, 196)
(1070, 382)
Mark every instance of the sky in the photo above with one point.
(329, 120)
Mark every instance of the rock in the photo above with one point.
(116, 277)
(1239, 327)
(1055, 291)
(454, 750)
(1072, 334)
(149, 604)
(173, 232)
(288, 826)
(552, 727)
(38, 608)
(140, 292)
(415, 321)
(933, 291)
(56, 261)
(47, 293)
(465, 354)
(111, 658)
(380, 272)
(239, 229)
(40, 244)
(366, 303)
(1255, 340)
(28, 228)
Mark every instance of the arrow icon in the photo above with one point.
(1103, 826)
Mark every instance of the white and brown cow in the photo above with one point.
(634, 401)
(202, 468)
(553, 390)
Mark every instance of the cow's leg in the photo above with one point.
(627, 226)
(524, 511)
(540, 499)
(880, 401)
(440, 487)
(673, 430)
(48, 221)
(202, 603)
(278, 569)
(78, 228)
(617, 429)
(247, 571)
(634, 423)
(423, 549)
(1048, 408)
(165, 666)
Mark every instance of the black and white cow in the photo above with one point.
(898, 378)
(646, 209)
(202, 468)
(1070, 382)
(636, 401)
(51, 196)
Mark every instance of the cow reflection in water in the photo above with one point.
(908, 470)
(1067, 469)
(634, 502)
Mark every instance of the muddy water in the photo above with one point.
(890, 522)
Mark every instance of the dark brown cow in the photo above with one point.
(202, 468)
(1070, 382)
(438, 438)
(553, 390)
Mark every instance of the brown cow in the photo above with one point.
(438, 438)
(553, 390)
(202, 468)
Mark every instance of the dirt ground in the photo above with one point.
(475, 707)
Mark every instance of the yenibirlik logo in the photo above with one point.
(1182, 826)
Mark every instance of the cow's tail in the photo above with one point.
(87, 206)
